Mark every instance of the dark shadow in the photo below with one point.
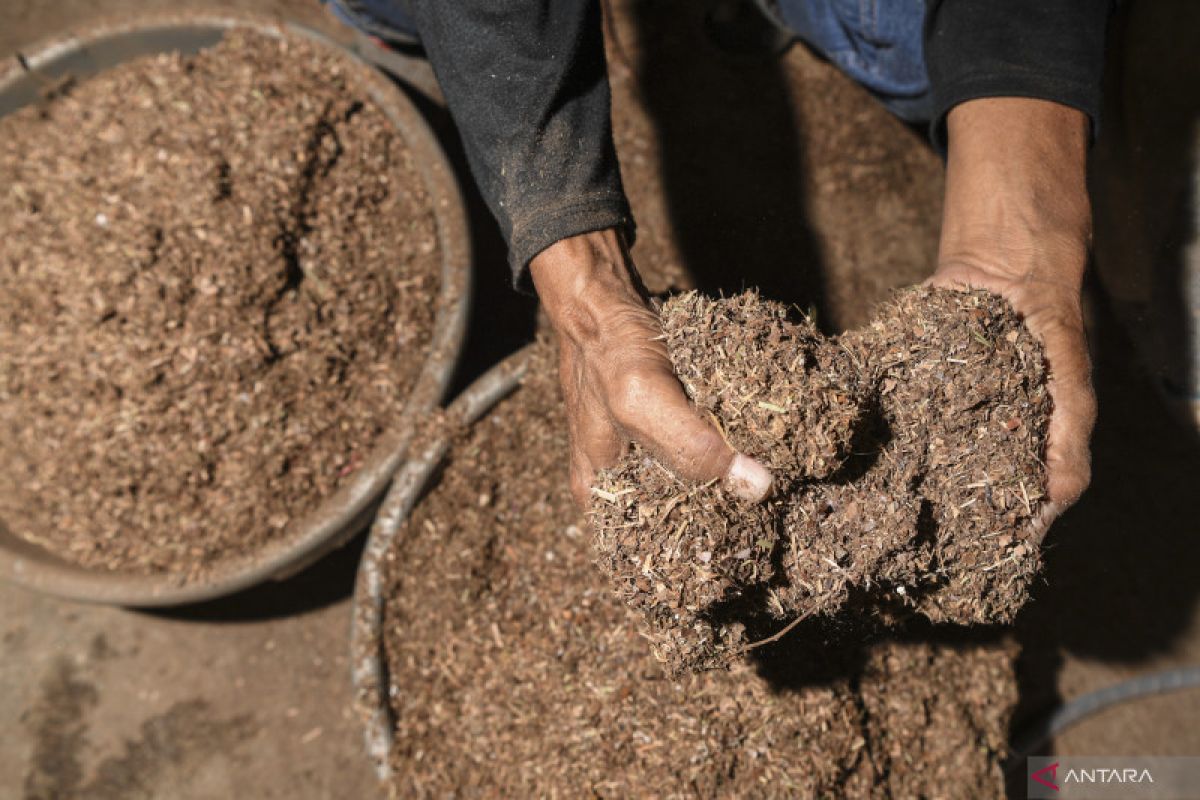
(330, 580)
(871, 436)
(1122, 576)
(1143, 182)
(822, 651)
(731, 159)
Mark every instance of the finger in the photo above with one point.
(1045, 518)
(1068, 445)
(748, 479)
(1068, 451)
(652, 409)
(581, 470)
(596, 444)
(582, 475)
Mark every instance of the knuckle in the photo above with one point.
(711, 457)
(632, 391)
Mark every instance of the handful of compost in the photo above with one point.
(908, 474)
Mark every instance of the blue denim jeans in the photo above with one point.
(877, 43)
(383, 19)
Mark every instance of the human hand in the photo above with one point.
(617, 379)
(1018, 223)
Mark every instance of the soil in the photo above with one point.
(217, 268)
(515, 671)
(908, 464)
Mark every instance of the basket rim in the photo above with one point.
(368, 661)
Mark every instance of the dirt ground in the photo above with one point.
(836, 203)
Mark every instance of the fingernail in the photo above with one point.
(748, 479)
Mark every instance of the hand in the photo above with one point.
(617, 379)
(1052, 312)
(1018, 223)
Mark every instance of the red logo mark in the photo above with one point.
(1053, 770)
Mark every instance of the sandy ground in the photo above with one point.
(246, 699)
(828, 204)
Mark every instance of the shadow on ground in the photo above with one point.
(731, 160)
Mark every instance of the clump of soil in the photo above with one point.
(218, 274)
(777, 387)
(908, 464)
(771, 378)
(514, 671)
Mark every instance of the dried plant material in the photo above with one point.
(515, 672)
(762, 378)
(777, 388)
(911, 481)
(218, 272)
(932, 712)
(969, 410)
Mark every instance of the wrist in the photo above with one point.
(580, 278)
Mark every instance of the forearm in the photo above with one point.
(1044, 49)
(527, 86)
(1016, 189)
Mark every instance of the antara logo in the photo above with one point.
(1040, 776)
(1048, 776)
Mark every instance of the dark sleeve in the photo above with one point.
(1044, 49)
(527, 85)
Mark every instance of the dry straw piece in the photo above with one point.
(908, 463)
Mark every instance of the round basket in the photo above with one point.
(339, 517)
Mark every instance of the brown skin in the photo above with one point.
(1017, 221)
(617, 379)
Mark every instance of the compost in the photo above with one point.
(908, 464)
(515, 671)
(218, 273)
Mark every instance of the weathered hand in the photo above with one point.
(617, 379)
(1052, 312)
(1018, 222)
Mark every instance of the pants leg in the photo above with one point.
(385, 20)
(878, 43)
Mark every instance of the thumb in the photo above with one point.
(654, 411)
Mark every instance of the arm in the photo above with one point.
(1016, 94)
(1017, 221)
(527, 85)
(528, 88)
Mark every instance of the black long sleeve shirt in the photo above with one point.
(527, 85)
